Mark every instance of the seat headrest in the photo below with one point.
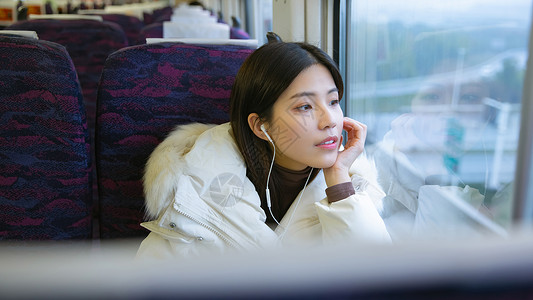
(24, 33)
(64, 17)
(248, 43)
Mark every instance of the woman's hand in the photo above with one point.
(356, 135)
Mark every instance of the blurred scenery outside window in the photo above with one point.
(439, 84)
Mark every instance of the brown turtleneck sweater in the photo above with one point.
(293, 183)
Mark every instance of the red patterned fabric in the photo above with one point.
(131, 25)
(88, 43)
(144, 93)
(45, 182)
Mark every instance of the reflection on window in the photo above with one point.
(439, 85)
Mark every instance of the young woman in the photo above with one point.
(275, 174)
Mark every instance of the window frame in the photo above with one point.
(523, 190)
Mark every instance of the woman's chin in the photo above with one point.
(323, 164)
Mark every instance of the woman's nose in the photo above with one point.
(326, 118)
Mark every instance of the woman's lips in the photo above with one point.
(329, 143)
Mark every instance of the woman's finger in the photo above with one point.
(355, 132)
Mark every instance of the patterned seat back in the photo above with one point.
(158, 14)
(162, 14)
(130, 24)
(88, 42)
(235, 31)
(45, 187)
(145, 91)
(154, 30)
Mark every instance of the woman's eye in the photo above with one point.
(304, 107)
(335, 102)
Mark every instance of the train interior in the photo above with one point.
(89, 88)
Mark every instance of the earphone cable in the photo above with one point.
(267, 190)
(296, 206)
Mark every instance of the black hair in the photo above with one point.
(262, 78)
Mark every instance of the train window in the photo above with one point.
(259, 18)
(439, 84)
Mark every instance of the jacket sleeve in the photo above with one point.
(355, 217)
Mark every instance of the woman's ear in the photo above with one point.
(255, 125)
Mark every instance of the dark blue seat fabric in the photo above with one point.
(88, 43)
(154, 30)
(45, 187)
(158, 15)
(131, 25)
(161, 15)
(145, 91)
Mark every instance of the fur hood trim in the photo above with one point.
(164, 166)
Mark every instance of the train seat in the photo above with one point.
(45, 164)
(250, 43)
(145, 91)
(160, 15)
(20, 33)
(196, 30)
(154, 30)
(131, 25)
(88, 41)
(237, 33)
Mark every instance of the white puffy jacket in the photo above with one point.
(197, 191)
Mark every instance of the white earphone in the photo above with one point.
(267, 190)
(265, 132)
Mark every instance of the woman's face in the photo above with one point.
(307, 121)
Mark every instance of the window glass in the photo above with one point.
(259, 19)
(266, 18)
(439, 84)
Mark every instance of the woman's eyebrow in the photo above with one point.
(333, 90)
(302, 94)
(310, 94)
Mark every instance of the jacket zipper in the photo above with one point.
(226, 239)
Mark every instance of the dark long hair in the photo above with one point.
(262, 78)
